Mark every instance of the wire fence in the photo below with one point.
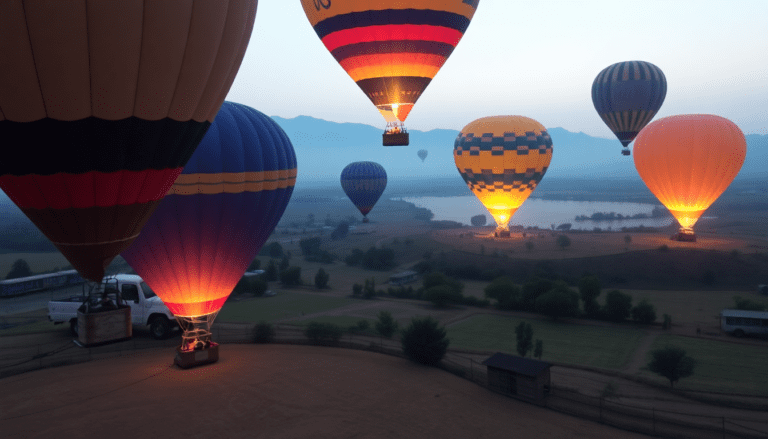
(22, 357)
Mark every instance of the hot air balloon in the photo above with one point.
(392, 49)
(364, 182)
(687, 161)
(627, 95)
(101, 105)
(219, 212)
(502, 159)
(422, 154)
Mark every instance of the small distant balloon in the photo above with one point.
(688, 160)
(627, 95)
(502, 159)
(422, 154)
(364, 182)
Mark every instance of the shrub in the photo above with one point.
(589, 290)
(506, 293)
(529, 245)
(664, 248)
(524, 333)
(441, 295)
(667, 322)
(264, 332)
(251, 284)
(284, 264)
(563, 241)
(362, 325)
(255, 264)
(310, 246)
(274, 250)
(672, 363)
(424, 342)
(357, 290)
(340, 232)
(386, 325)
(747, 304)
(291, 276)
(321, 279)
(379, 259)
(271, 272)
(538, 351)
(323, 333)
(533, 289)
(644, 312)
(19, 269)
(618, 305)
(478, 220)
(354, 258)
(474, 301)
(558, 302)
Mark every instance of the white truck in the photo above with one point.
(146, 307)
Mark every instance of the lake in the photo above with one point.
(536, 212)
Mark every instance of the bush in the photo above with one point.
(563, 241)
(672, 363)
(379, 259)
(251, 284)
(533, 289)
(291, 276)
(354, 258)
(362, 325)
(264, 332)
(255, 264)
(589, 290)
(667, 322)
(644, 312)
(664, 248)
(478, 220)
(323, 333)
(748, 305)
(340, 232)
(274, 250)
(618, 305)
(441, 295)
(386, 325)
(284, 264)
(357, 290)
(538, 351)
(321, 279)
(424, 342)
(19, 269)
(524, 333)
(436, 279)
(505, 292)
(271, 272)
(558, 302)
(529, 245)
(310, 246)
(474, 301)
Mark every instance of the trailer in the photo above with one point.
(740, 323)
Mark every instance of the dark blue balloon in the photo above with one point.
(364, 182)
(627, 95)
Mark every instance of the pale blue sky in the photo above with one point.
(533, 58)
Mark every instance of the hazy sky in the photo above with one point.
(533, 58)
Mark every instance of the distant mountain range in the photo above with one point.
(324, 148)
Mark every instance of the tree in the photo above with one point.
(355, 257)
(284, 264)
(310, 220)
(386, 325)
(291, 276)
(558, 302)
(424, 342)
(310, 246)
(271, 272)
(563, 241)
(479, 220)
(19, 269)
(441, 295)
(529, 245)
(618, 305)
(505, 292)
(275, 250)
(437, 278)
(524, 332)
(340, 231)
(357, 290)
(255, 264)
(672, 363)
(264, 332)
(533, 289)
(747, 304)
(321, 279)
(589, 290)
(644, 312)
(564, 226)
(323, 333)
(627, 239)
(538, 351)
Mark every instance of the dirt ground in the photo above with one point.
(270, 391)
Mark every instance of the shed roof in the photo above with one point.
(523, 366)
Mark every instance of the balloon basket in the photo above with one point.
(197, 357)
(625, 152)
(100, 327)
(684, 236)
(395, 139)
(502, 234)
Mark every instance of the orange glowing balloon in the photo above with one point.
(687, 161)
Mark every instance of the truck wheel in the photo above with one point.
(73, 327)
(160, 328)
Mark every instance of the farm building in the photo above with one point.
(520, 377)
(403, 278)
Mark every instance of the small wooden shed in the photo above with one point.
(523, 378)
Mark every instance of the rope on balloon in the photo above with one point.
(197, 331)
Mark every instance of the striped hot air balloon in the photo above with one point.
(391, 48)
(502, 159)
(219, 212)
(627, 95)
(364, 182)
(101, 105)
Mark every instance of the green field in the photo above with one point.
(720, 366)
(343, 321)
(596, 346)
(285, 305)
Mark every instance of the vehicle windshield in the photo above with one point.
(148, 293)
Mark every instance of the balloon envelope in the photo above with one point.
(219, 212)
(502, 159)
(422, 154)
(102, 103)
(687, 161)
(627, 95)
(391, 48)
(364, 182)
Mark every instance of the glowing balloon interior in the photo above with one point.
(687, 161)
(627, 95)
(218, 214)
(502, 159)
(102, 104)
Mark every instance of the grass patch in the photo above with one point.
(282, 306)
(596, 346)
(720, 366)
(343, 321)
(33, 327)
(689, 307)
